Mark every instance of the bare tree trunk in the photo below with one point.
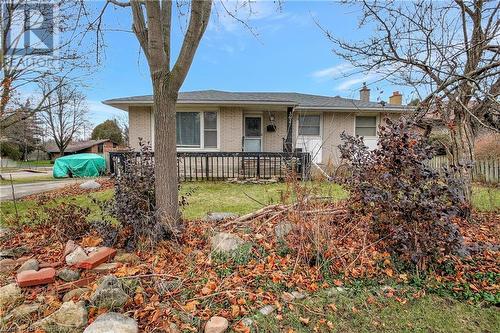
(462, 157)
(165, 152)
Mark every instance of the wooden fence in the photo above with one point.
(486, 171)
(194, 166)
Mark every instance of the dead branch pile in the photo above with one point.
(272, 212)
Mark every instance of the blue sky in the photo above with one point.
(290, 53)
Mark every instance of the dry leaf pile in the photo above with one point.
(181, 281)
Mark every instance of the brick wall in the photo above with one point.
(139, 119)
(231, 128)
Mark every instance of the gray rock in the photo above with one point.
(90, 185)
(68, 275)
(225, 242)
(30, 264)
(294, 295)
(109, 293)
(71, 317)
(75, 293)
(298, 295)
(23, 311)
(282, 229)
(267, 310)
(7, 265)
(10, 294)
(77, 255)
(216, 324)
(113, 322)
(14, 252)
(69, 247)
(217, 217)
(127, 258)
(248, 322)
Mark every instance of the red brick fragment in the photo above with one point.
(35, 278)
(96, 258)
(75, 284)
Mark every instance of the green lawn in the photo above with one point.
(368, 311)
(41, 163)
(207, 197)
(486, 198)
(242, 198)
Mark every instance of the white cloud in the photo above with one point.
(334, 72)
(354, 81)
(233, 16)
(99, 112)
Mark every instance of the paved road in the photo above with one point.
(22, 190)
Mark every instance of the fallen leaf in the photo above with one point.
(190, 306)
(127, 271)
(304, 321)
(235, 311)
(91, 241)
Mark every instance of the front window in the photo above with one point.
(210, 129)
(196, 129)
(366, 125)
(100, 148)
(309, 125)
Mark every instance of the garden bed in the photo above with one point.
(183, 283)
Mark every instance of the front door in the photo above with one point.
(252, 141)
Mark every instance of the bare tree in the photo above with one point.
(56, 52)
(152, 21)
(449, 52)
(64, 113)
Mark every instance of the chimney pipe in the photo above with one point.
(396, 98)
(364, 93)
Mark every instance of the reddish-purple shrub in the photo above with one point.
(410, 204)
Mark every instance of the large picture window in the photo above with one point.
(366, 125)
(196, 129)
(309, 125)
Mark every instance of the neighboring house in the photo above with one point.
(223, 121)
(103, 146)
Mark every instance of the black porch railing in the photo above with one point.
(194, 166)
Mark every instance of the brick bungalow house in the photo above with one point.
(221, 121)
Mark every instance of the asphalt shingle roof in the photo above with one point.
(76, 146)
(281, 98)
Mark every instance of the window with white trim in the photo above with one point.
(196, 129)
(210, 129)
(309, 125)
(366, 126)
